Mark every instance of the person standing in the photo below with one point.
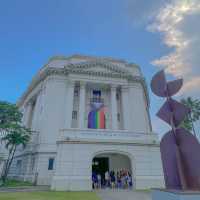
(112, 179)
(130, 182)
(119, 181)
(94, 180)
(106, 179)
(99, 181)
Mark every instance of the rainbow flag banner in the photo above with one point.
(96, 119)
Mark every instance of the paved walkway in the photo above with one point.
(123, 195)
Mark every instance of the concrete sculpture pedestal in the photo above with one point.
(164, 194)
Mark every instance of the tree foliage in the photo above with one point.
(194, 115)
(16, 134)
(9, 114)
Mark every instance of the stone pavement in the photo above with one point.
(123, 195)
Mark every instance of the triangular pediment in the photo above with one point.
(98, 68)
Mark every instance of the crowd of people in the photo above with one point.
(121, 179)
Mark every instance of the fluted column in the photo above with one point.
(82, 106)
(69, 104)
(125, 107)
(113, 107)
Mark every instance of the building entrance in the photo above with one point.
(100, 165)
(111, 170)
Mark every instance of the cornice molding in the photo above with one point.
(41, 76)
(85, 68)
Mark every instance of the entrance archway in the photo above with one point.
(104, 164)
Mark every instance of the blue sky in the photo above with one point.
(33, 31)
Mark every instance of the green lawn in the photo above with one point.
(15, 183)
(49, 196)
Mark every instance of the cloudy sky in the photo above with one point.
(154, 34)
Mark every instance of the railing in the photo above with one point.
(96, 100)
(102, 135)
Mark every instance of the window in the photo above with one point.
(74, 114)
(32, 163)
(96, 96)
(117, 96)
(51, 162)
(118, 117)
(19, 166)
(96, 93)
(76, 92)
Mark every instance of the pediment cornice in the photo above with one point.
(85, 68)
(108, 69)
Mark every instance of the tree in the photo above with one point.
(194, 115)
(16, 134)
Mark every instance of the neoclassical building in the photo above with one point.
(87, 113)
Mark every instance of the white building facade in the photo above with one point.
(84, 112)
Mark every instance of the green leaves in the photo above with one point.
(16, 134)
(9, 114)
(194, 105)
(10, 122)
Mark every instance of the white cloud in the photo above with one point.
(143, 11)
(159, 126)
(191, 86)
(179, 24)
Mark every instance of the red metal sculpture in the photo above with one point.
(180, 150)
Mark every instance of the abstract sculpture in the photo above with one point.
(180, 150)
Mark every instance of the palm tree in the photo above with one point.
(194, 115)
(17, 135)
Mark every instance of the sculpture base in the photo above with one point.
(164, 194)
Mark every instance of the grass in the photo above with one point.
(143, 190)
(49, 196)
(15, 183)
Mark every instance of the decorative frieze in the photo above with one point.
(86, 68)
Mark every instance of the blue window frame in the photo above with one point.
(51, 163)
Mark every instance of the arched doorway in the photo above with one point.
(112, 170)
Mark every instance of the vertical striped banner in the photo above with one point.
(96, 119)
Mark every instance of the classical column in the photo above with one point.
(125, 107)
(82, 106)
(113, 107)
(69, 104)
